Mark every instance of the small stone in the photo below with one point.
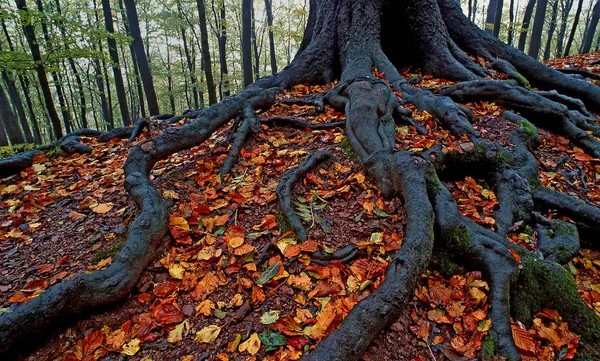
(188, 310)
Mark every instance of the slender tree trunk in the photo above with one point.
(269, 9)
(525, 26)
(185, 80)
(511, 22)
(116, 64)
(191, 64)
(18, 105)
(142, 60)
(247, 41)
(573, 28)
(40, 70)
(58, 83)
(9, 121)
(80, 90)
(585, 29)
(498, 18)
(136, 73)
(37, 136)
(206, 62)
(169, 74)
(256, 53)
(535, 42)
(490, 18)
(224, 84)
(3, 137)
(551, 30)
(36, 129)
(591, 29)
(566, 6)
(474, 10)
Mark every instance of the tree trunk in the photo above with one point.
(255, 51)
(247, 6)
(498, 18)
(551, 30)
(3, 137)
(511, 22)
(40, 70)
(136, 73)
(490, 19)
(525, 26)
(58, 83)
(18, 105)
(591, 29)
(191, 68)
(206, 62)
(565, 10)
(169, 75)
(116, 64)
(573, 29)
(224, 84)
(538, 25)
(269, 9)
(140, 55)
(9, 121)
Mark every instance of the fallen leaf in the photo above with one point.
(208, 334)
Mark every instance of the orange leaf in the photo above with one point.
(523, 340)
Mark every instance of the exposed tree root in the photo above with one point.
(537, 108)
(249, 123)
(118, 133)
(344, 255)
(285, 191)
(579, 71)
(70, 143)
(300, 123)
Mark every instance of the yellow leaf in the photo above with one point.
(102, 208)
(205, 307)
(177, 271)
(177, 333)
(208, 334)
(252, 345)
(131, 347)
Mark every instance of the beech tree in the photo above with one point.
(346, 40)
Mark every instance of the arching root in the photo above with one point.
(297, 122)
(249, 123)
(285, 190)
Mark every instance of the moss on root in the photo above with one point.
(488, 348)
(548, 284)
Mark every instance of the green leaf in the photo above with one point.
(380, 213)
(268, 274)
(272, 340)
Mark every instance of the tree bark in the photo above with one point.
(573, 28)
(210, 83)
(114, 56)
(9, 121)
(269, 9)
(511, 22)
(247, 41)
(140, 55)
(498, 18)
(525, 26)
(40, 70)
(224, 85)
(136, 72)
(565, 10)
(551, 30)
(490, 19)
(538, 25)
(591, 29)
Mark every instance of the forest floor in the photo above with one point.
(232, 283)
